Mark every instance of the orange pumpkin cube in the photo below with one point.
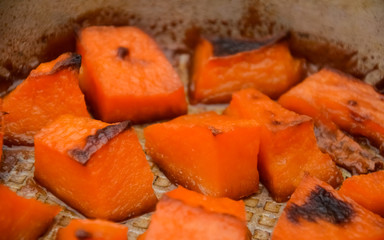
(92, 229)
(208, 153)
(184, 214)
(127, 77)
(317, 212)
(22, 218)
(97, 168)
(366, 190)
(333, 97)
(270, 69)
(288, 148)
(52, 89)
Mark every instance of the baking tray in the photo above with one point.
(343, 34)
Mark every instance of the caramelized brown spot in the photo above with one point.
(357, 117)
(81, 234)
(73, 62)
(122, 52)
(96, 141)
(275, 122)
(356, 157)
(215, 131)
(352, 103)
(321, 205)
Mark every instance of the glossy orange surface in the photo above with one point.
(366, 190)
(209, 153)
(331, 96)
(40, 99)
(141, 86)
(183, 214)
(288, 147)
(270, 69)
(22, 218)
(116, 182)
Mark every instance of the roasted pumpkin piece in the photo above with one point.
(52, 89)
(317, 212)
(270, 69)
(288, 148)
(366, 190)
(333, 97)
(80, 229)
(184, 214)
(127, 77)
(22, 218)
(97, 168)
(208, 153)
(346, 152)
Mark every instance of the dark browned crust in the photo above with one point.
(355, 116)
(347, 153)
(280, 124)
(229, 46)
(215, 131)
(98, 140)
(122, 52)
(81, 234)
(72, 62)
(321, 205)
(226, 46)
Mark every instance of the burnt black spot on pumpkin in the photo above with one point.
(96, 141)
(226, 46)
(72, 62)
(81, 234)
(321, 205)
(122, 52)
(352, 103)
(229, 46)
